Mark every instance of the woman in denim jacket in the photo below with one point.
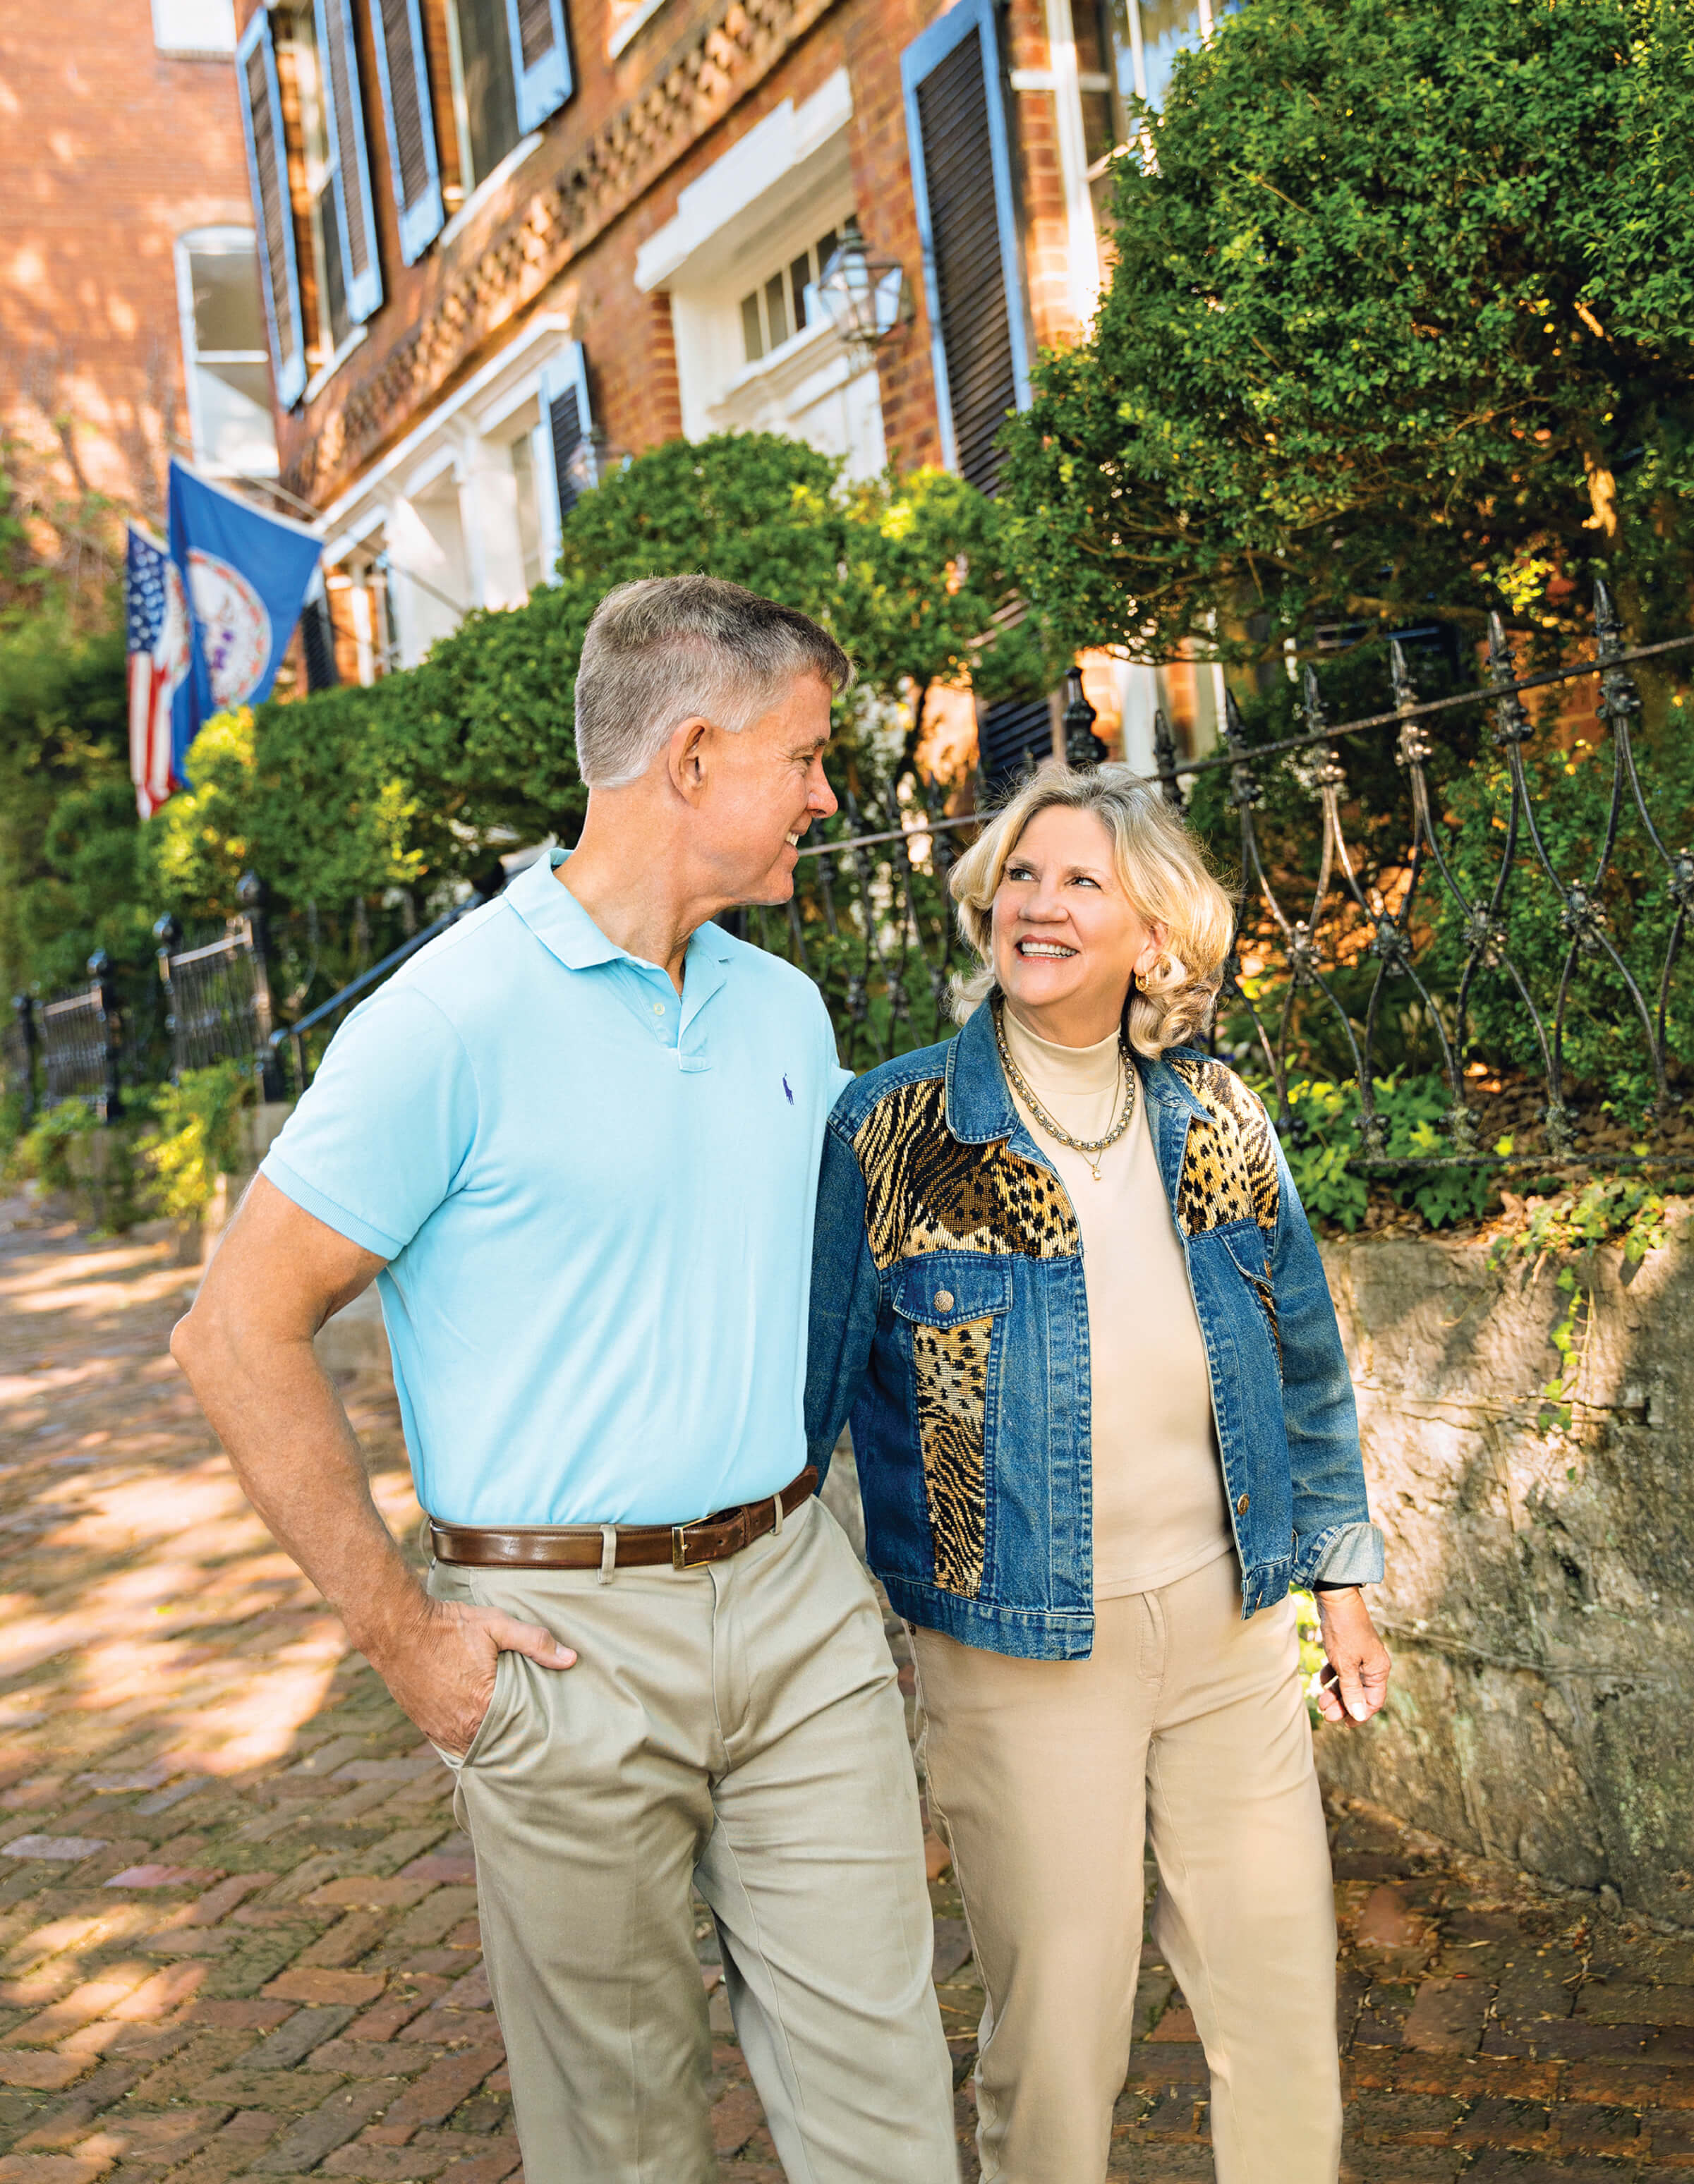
(1103, 1422)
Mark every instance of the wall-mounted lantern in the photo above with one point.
(865, 296)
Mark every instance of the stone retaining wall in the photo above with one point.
(1540, 1597)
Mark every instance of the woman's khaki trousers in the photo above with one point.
(1045, 1777)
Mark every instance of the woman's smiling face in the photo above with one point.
(1067, 938)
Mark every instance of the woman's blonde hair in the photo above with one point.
(1163, 872)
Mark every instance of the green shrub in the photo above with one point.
(42, 1153)
(1321, 1150)
(196, 1137)
(1401, 312)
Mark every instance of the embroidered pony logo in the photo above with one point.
(789, 1089)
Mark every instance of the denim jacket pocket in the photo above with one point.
(1246, 1243)
(947, 1288)
(950, 1303)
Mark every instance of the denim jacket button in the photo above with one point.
(1241, 1506)
(944, 1299)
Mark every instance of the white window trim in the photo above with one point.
(1082, 241)
(486, 188)
(211, 241)
(763, 161)
(191, 52)
(632, 27)
(327, 370)
(803, 349)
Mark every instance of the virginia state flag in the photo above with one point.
(247, 575)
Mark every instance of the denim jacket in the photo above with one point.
(949, 1317)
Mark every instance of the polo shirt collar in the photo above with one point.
(562, 926)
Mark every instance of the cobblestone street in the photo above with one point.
(237, 1927)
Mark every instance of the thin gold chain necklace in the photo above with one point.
(1092, 1150)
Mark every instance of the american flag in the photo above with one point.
(158, 663)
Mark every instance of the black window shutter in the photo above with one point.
(261, 111)
(317, 637)
(352, 156)
(407, 109)
(565, 407)
(961, 180)
(1016, 732)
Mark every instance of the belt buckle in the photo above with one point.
(679, 1550)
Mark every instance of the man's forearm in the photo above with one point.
(298, 1460)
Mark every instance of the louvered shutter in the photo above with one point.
(410, 117)
(567, 420)
(267, 160)
(349, 158)
(1015, 733)
(966, 221)
(541, 59)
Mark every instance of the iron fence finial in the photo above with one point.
(1415, 746)
(1164, 760)
(1608, 628)
(1084, 749)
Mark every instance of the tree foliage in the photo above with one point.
(67, 811)
(1402, 312)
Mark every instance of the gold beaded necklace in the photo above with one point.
(1092, 1150)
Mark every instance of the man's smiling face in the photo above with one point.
(765, 786)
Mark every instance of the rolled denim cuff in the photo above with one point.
(1353, 1556)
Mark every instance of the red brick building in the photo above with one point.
(130, 322)
(504, 240)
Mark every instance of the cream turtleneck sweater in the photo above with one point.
(1159, 1510)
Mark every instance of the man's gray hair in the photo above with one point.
(666, 648)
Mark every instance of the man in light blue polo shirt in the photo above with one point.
(576, 1142)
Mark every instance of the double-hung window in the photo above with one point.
(779, 307)
(324, 273)
(1126, 50)
(308, 159)
(227, 373)
(463, 83)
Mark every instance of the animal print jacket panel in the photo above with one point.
(949, 1320)
(926, 1192)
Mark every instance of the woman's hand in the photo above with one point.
(1358, 1656)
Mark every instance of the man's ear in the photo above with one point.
(687, 757)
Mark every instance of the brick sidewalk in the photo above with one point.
(237, 1928)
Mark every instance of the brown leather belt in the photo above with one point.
(618, 1547)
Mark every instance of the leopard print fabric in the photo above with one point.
(924, 1191)
(1228, 1171)
(952, 1395)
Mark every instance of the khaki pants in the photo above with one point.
(736, 1727)
(1046, 1777)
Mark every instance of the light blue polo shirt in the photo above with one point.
(596, 1204)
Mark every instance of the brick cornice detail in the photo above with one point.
(621, 161)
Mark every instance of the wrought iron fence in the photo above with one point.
(218, 995)
(82, 1044)
(1473, 894)
(1412, 898)
(1503, 900)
